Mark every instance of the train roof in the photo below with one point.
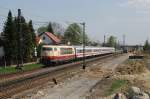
(91, 47)
(56, 46)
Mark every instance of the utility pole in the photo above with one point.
(124, 40)
(104, 40)
(84, 65)
(20, 57)
(118, 44)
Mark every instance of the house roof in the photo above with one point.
(53, 37)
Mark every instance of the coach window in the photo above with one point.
(55, 49)
(70, 51)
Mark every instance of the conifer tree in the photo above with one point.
(27, 42)
(31, 29)
(26, 38)
(146, 46)
(10, 42)
(49, 28)
(111, 42)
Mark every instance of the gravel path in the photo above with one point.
(78, 86)
(74, 89)
(112, 64)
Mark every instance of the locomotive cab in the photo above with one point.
(55, 53)
(46, 53)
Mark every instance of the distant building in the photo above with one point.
(47, 38)
(132, 47)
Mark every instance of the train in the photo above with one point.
(62, 53)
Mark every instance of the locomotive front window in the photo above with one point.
(47, 49)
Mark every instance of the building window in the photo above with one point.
(43, 37)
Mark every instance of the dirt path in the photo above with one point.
(78, 86)
(114, 63)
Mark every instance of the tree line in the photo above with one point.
(18, 38)
(146, 47)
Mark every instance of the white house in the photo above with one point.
(48, 38)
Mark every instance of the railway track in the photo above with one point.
(10, 88)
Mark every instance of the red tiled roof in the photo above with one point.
(53, 37)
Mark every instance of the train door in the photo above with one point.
(56, 51)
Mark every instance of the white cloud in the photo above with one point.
(138, 4)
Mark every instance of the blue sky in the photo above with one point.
(102, 17)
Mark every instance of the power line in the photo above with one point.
(28, 13)
(37, 23)
(14, 9)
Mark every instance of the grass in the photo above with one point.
(32, 66)
(9, 70)
(116, 85)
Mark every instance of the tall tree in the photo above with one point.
(111, 42)
(27, 42)
(31, 30)
(146, 46)
(26, 38)
(19, 24)
(42, 29)
(1, 42)
(58, 28)
(49, 28)
(73, 34)
(10, 42)
(18, 38)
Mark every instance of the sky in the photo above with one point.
(102, 17)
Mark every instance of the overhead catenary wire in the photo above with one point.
(35, 22)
